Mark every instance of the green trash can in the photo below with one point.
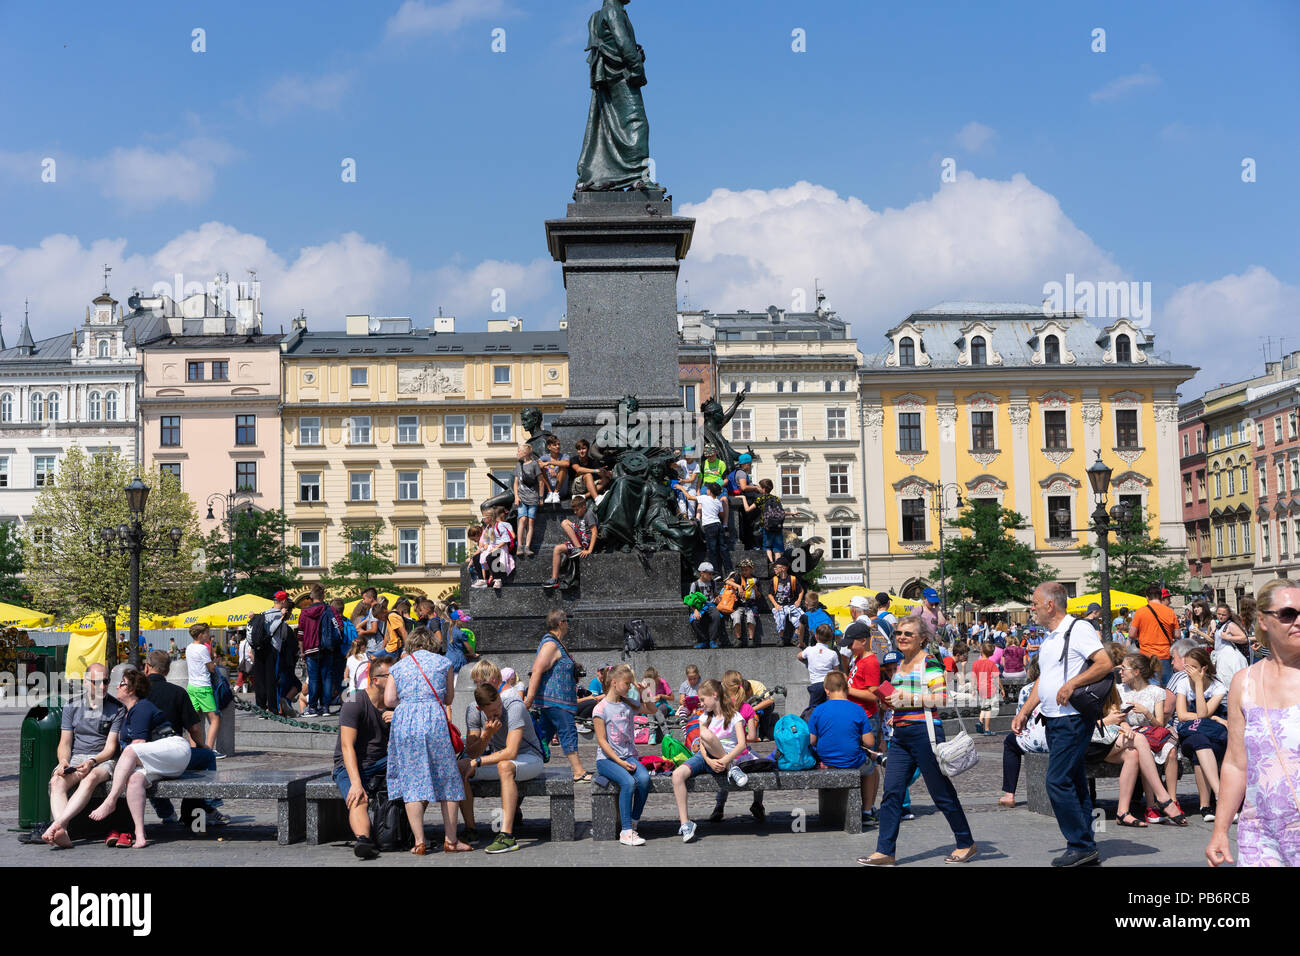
(38, 748)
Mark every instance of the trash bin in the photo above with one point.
(38, 749)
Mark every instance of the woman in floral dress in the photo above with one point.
(421, 762)
(1262, 763)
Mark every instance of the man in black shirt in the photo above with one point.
(174, 702)
(361, 754)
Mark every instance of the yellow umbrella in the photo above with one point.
(11, 615)
(350, 607)
(837, 602)
(93, 624)
(1078, 606)
(233, 612)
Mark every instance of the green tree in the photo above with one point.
(367, 561)
(68, 571)
(12, 588)
(989, 565)
(1137, 559)
(263, 565)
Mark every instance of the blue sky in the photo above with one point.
(822, 164)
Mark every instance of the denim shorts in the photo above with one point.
(367, 774)
(558, 721)
(774, 541)
(526, 511)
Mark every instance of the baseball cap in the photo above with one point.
(745, 459)
(859, 602)
(931, 595)
(892, 657)
(1094, 606)
(704, 566)
(282, 595)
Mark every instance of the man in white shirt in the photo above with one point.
(1068, 731)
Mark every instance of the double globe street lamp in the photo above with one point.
(128, 538)
(228, 503)
(937, 498)
(1120, 515)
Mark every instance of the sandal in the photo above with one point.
(970, 852)
(125, 841)
(1127, 819)
(449, 847)
(1179, 819)
(420, 849)
(584, 778)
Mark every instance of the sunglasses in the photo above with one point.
(1285, 615)
(907, 634)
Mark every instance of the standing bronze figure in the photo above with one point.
(616, 146)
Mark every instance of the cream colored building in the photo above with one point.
(800, 417)
(384, 422)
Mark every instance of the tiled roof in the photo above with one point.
(329, 344)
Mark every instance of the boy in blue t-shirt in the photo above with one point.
(841, 733)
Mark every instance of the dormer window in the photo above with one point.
(906, 351)
(1052, 350)
(103, 348)
(978, 351)
(1123, 349)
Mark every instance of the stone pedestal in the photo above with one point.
(620, 253)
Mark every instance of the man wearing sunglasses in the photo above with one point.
(87, 748)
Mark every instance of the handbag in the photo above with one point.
(389, 826)
(726, 602)
(1156, 737)
(457, 744)
(954, 756)
(1089, 700)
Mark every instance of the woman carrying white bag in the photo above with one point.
(918, 690)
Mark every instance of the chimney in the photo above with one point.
(358, 325)
(176, 324)
(444, 323)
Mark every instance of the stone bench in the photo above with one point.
(1034, 772)
(327, 815)
(839, 795)
(288, 788)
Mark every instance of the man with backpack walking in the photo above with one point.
(321, 637)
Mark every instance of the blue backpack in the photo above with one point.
(793, 749)
(329, 631)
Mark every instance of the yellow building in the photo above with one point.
(1229, 456)
(388, 423)
(1003, 403)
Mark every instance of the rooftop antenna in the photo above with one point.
(819, 294)
(107, 270)
(686, 296)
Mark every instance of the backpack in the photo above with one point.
(543, 738)
(329, 631)
(642, 730)
(793, 749)
(691, 733)
(389, 827)
(773, 514)
(259, 639)
(637, 637)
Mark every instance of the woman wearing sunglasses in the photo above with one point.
(918, 687)
(1262, 763)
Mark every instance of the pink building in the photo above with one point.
(1275, 410)
(210, 401)
(1195, 498)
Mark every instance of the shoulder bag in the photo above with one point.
(1089, 700)
(954, 756)
(457, 743)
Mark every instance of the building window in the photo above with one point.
(1281, 479)
(453, 429)
(1218, 485)
(1263, 483)
(838, 479)
(1200, 442)
(794, 386)
(841, 543)
(1232, 540)
(1200, 485)
(1052, 350)
(1218, 541)
(1232, 482)
(787, 424)
(408, 486)
(688, 397)
(978, 351)
(1295, 475)
(828, 385)
(500, 374)
(408, 546)
(1134, 503)
(309, 486)
(309, 431)
(245, 476)
(1058, 526)
(245, 429)
(837, 423)
(780, 386)
(981, 431)
(909, 431)
(843, 384)
(6, 407)
(44, 470)
(742, 425)
(309, 548)
(1126, 428)
(194, 371)
(359, 377)
(456, 489)
(502, 428)
(1185, 451)
(906, 351)
(52, 402)
(103, 348)
(1054, 430)
(170, 468)
(1265, 545)
(457, 545)
(359, 485)
(94, 407)
(913, 519)
(170, 431)
(110, 406)
(359, 434)
(221, 371)
(1187, 489)
(4, 471)
(408, 429)
(360, 543)
(38, 407)
(1123, 349)
(792, 480)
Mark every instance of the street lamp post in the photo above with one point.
(937, 497)
(128, 538)
(1099, 479)
(227, 502)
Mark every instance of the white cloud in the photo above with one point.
(974, 137)
(348, 274)
(297, 91)
(418, 18)
(1221, 325)
(973, 239)
(1125, 84)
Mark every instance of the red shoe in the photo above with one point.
(125, 841)
(1153, 817)
(112, 838)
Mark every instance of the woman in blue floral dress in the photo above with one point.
(421, 763)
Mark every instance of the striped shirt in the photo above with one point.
(926, 681)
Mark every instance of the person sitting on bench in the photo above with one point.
(361, 753)
(500, 744)
(581, 534)
(87, 745)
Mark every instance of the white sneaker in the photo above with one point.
(630, 838)
(479, 584)
(737, 776)
(687, 830)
